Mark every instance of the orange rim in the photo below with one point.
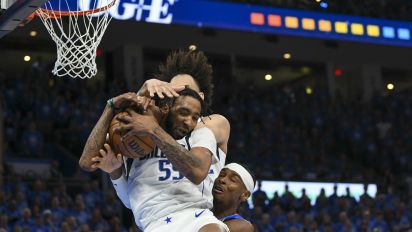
(57, 13)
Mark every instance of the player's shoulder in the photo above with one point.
(240, 225)
(218, 124)
(202, 131)
(216, 119)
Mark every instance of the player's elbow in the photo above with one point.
(85, 165)
(196, 181)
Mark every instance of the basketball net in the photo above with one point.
(77, 34)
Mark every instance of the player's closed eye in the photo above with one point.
(233, 179)
(183, 112)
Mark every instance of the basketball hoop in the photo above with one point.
(77, 27)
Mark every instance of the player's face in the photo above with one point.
(183, 116)
(187, 80)
(228, 187)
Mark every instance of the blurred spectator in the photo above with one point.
(287, 198)
(303, 203)
(33, 141)
(378, 224)
(39, 192)
(26, 221)
(50, 222)
(321, 201)
(55, 209)
(264, 224)
(39, 225)
(80, 212)
(12, 212)
(259, 197)
(4, 222)
(97, 221)
(293, 222)
(55, 173)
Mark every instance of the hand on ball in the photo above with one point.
(107, 161)
(136, 123)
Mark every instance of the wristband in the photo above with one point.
(111, 104)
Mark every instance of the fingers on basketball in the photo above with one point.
(132, 145)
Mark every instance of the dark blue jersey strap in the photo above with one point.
(230, 217)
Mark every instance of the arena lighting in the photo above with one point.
(99, 52)
(262, 19)
(324, 5)
(390, 86)
(192, 47)
(27, 58)
(338, 72)
(309, 90)
(313, 189)
(33, 33)
(287, 56)
(305, 70)
(268, 77)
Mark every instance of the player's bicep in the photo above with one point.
(204, 155)
(220, 127)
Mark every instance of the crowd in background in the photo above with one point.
(389, 9)
(280, 133)
(47, 205)
(286, 134)
(43, 205)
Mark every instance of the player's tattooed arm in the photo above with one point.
(98, 135)
(96, 140)
(194, 164)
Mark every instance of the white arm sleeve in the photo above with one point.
(204, 137)
(120, 185)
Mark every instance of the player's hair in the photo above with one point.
(193, 63)
(186, 92)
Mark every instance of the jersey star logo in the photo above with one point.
(168, 220)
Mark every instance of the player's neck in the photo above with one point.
(221, 210)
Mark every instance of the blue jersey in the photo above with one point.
(230, 217)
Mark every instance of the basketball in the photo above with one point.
(132, 145)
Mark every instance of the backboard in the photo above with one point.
(15, 13)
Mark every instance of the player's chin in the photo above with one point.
(179, 133)
(177, 136)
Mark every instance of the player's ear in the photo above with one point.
(244, 196)
(165, 109)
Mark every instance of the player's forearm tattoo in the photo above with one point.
(179, 156)
(96, 140)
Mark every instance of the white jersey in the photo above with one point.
(216, 166)
(154, 189)
(214, 171)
